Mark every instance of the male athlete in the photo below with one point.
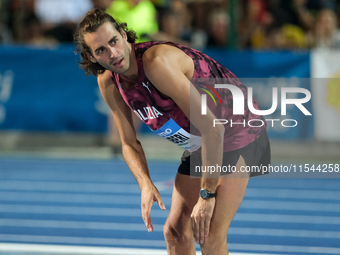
(152, 80)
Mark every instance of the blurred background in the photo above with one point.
(47, 102)
(57, 135)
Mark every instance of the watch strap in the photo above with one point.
(205, 194)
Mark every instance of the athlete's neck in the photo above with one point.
(130, 78)
(131, 75)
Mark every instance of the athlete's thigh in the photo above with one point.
(230, 193)
(185, 195)
(184, 198)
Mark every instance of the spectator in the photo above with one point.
(102, 4)
(139, 14)
(33, 33)
(338, 15)
(326, 33)
(218, 32)
(294, 37)
(279, 15)
(184, 18)
(254, 24)
(329, 4)
(171, 28)
(61, 24)
(5, 33)
(297, 13)
(18, 11)
(200, 10)
(275, 38)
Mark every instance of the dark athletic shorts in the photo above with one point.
(255, 154)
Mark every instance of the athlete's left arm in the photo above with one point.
(170, 70)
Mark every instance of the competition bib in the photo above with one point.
(174, 133)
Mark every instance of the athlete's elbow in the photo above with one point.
(216, 133)
(131, 143)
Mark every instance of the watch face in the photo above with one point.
(204, 193)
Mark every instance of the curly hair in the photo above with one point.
(91, 22)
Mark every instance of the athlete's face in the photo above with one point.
(109, 48)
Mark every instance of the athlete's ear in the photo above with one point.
(123, 33)
(91, 58)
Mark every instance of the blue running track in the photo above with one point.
(78, 202)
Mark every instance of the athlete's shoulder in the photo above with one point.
(164, 50)
(162, 59)
(140, 48)
(105, 79)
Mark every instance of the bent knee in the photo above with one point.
(177, 235)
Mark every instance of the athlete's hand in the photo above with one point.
(150, 194)
(200, 218)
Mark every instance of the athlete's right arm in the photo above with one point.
(132, 149)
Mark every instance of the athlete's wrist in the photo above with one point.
(206, 194)
(145, 184)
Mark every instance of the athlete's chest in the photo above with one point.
(145, 100)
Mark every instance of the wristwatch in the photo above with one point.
(205, 194)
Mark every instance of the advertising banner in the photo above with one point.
(44, 90)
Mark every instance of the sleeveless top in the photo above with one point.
(165, 118)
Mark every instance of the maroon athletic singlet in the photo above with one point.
(165, 118)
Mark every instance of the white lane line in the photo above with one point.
(296, 183)
(158, 244)
(159, 228)
(284, 218)
(165, 185)
(285, 248)
(69, 187)
(285, 233)
(74, 198)
(43, 162)
(64, 249)
(73, 210)
(78, 225)
(83, 240)
(131, 212)
(293, 193)
(77, 187)
(108, 197)
(242, 217)
(290, 206)
(40, 176)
